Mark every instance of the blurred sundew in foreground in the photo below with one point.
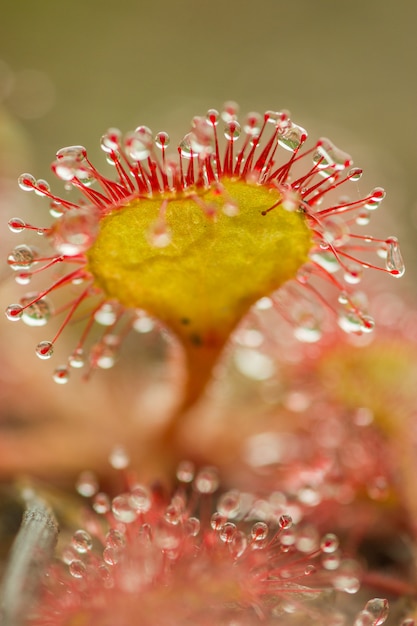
(201, 553)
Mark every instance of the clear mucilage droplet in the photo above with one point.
(81, 541)
(394, 261)
(21, 258)
(329, 158)
(291, 136)
(61, 375)
(16, 225)
(37, 313)
(232, 131)
(76, 231)
(138, 144)
(14, 312)
(26, 182)
(78, 153)
(45, 349)
(379, 609)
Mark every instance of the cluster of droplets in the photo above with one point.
(266, 150)
(328, 471)
(197, 556)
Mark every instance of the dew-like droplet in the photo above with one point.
(42, 187)
(207, 480)
(364, 618)
(394, 262)
(111, 556)
(76, 231)
(329, 158)
(16, 225)
(285, 521)
(159, 235)
(26, 182)
(232, 131)
(377, 196)
(363, 217)
(254, 364)
(227, 532)
(379, 609)
(74, 152)
(352, 322)
(217, 521)
(238, 544)
(23, 278)
(259, 531)
(14, 312)
(140, 498)
(291, 136)
(77, 359)
(355, 174)
(229, 504)
(230, 111)
(264, 304)
(66, 170)
(307, 539)
(253, 124)
(68, 555)
(56, 210)
(336, 231)
(347, 576)
(329, 543)
(119, 458)
(192, 526)
(110, 141)
(173, 515)
(213, 117)
(230, 208)
(143, 323)
(101, 503)
(44, 349)
(167, 536)
(21, 258)
(185, 472)
(37, 313)
(139, 143)
(287, 537)
(353, 274)
(308, 328)
(326, 259)
(87, 484)
(104, 353)
(61, 375)
(122, 509)
(162, 140)
(77, 569)
(115, 539)
(186, 150)
(81, 541)
(106, 315)
(331, 561)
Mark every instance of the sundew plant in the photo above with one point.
(195, 236)
(244, 212)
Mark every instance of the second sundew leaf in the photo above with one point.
(212, 270)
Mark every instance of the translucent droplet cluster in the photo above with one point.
(196, 558)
